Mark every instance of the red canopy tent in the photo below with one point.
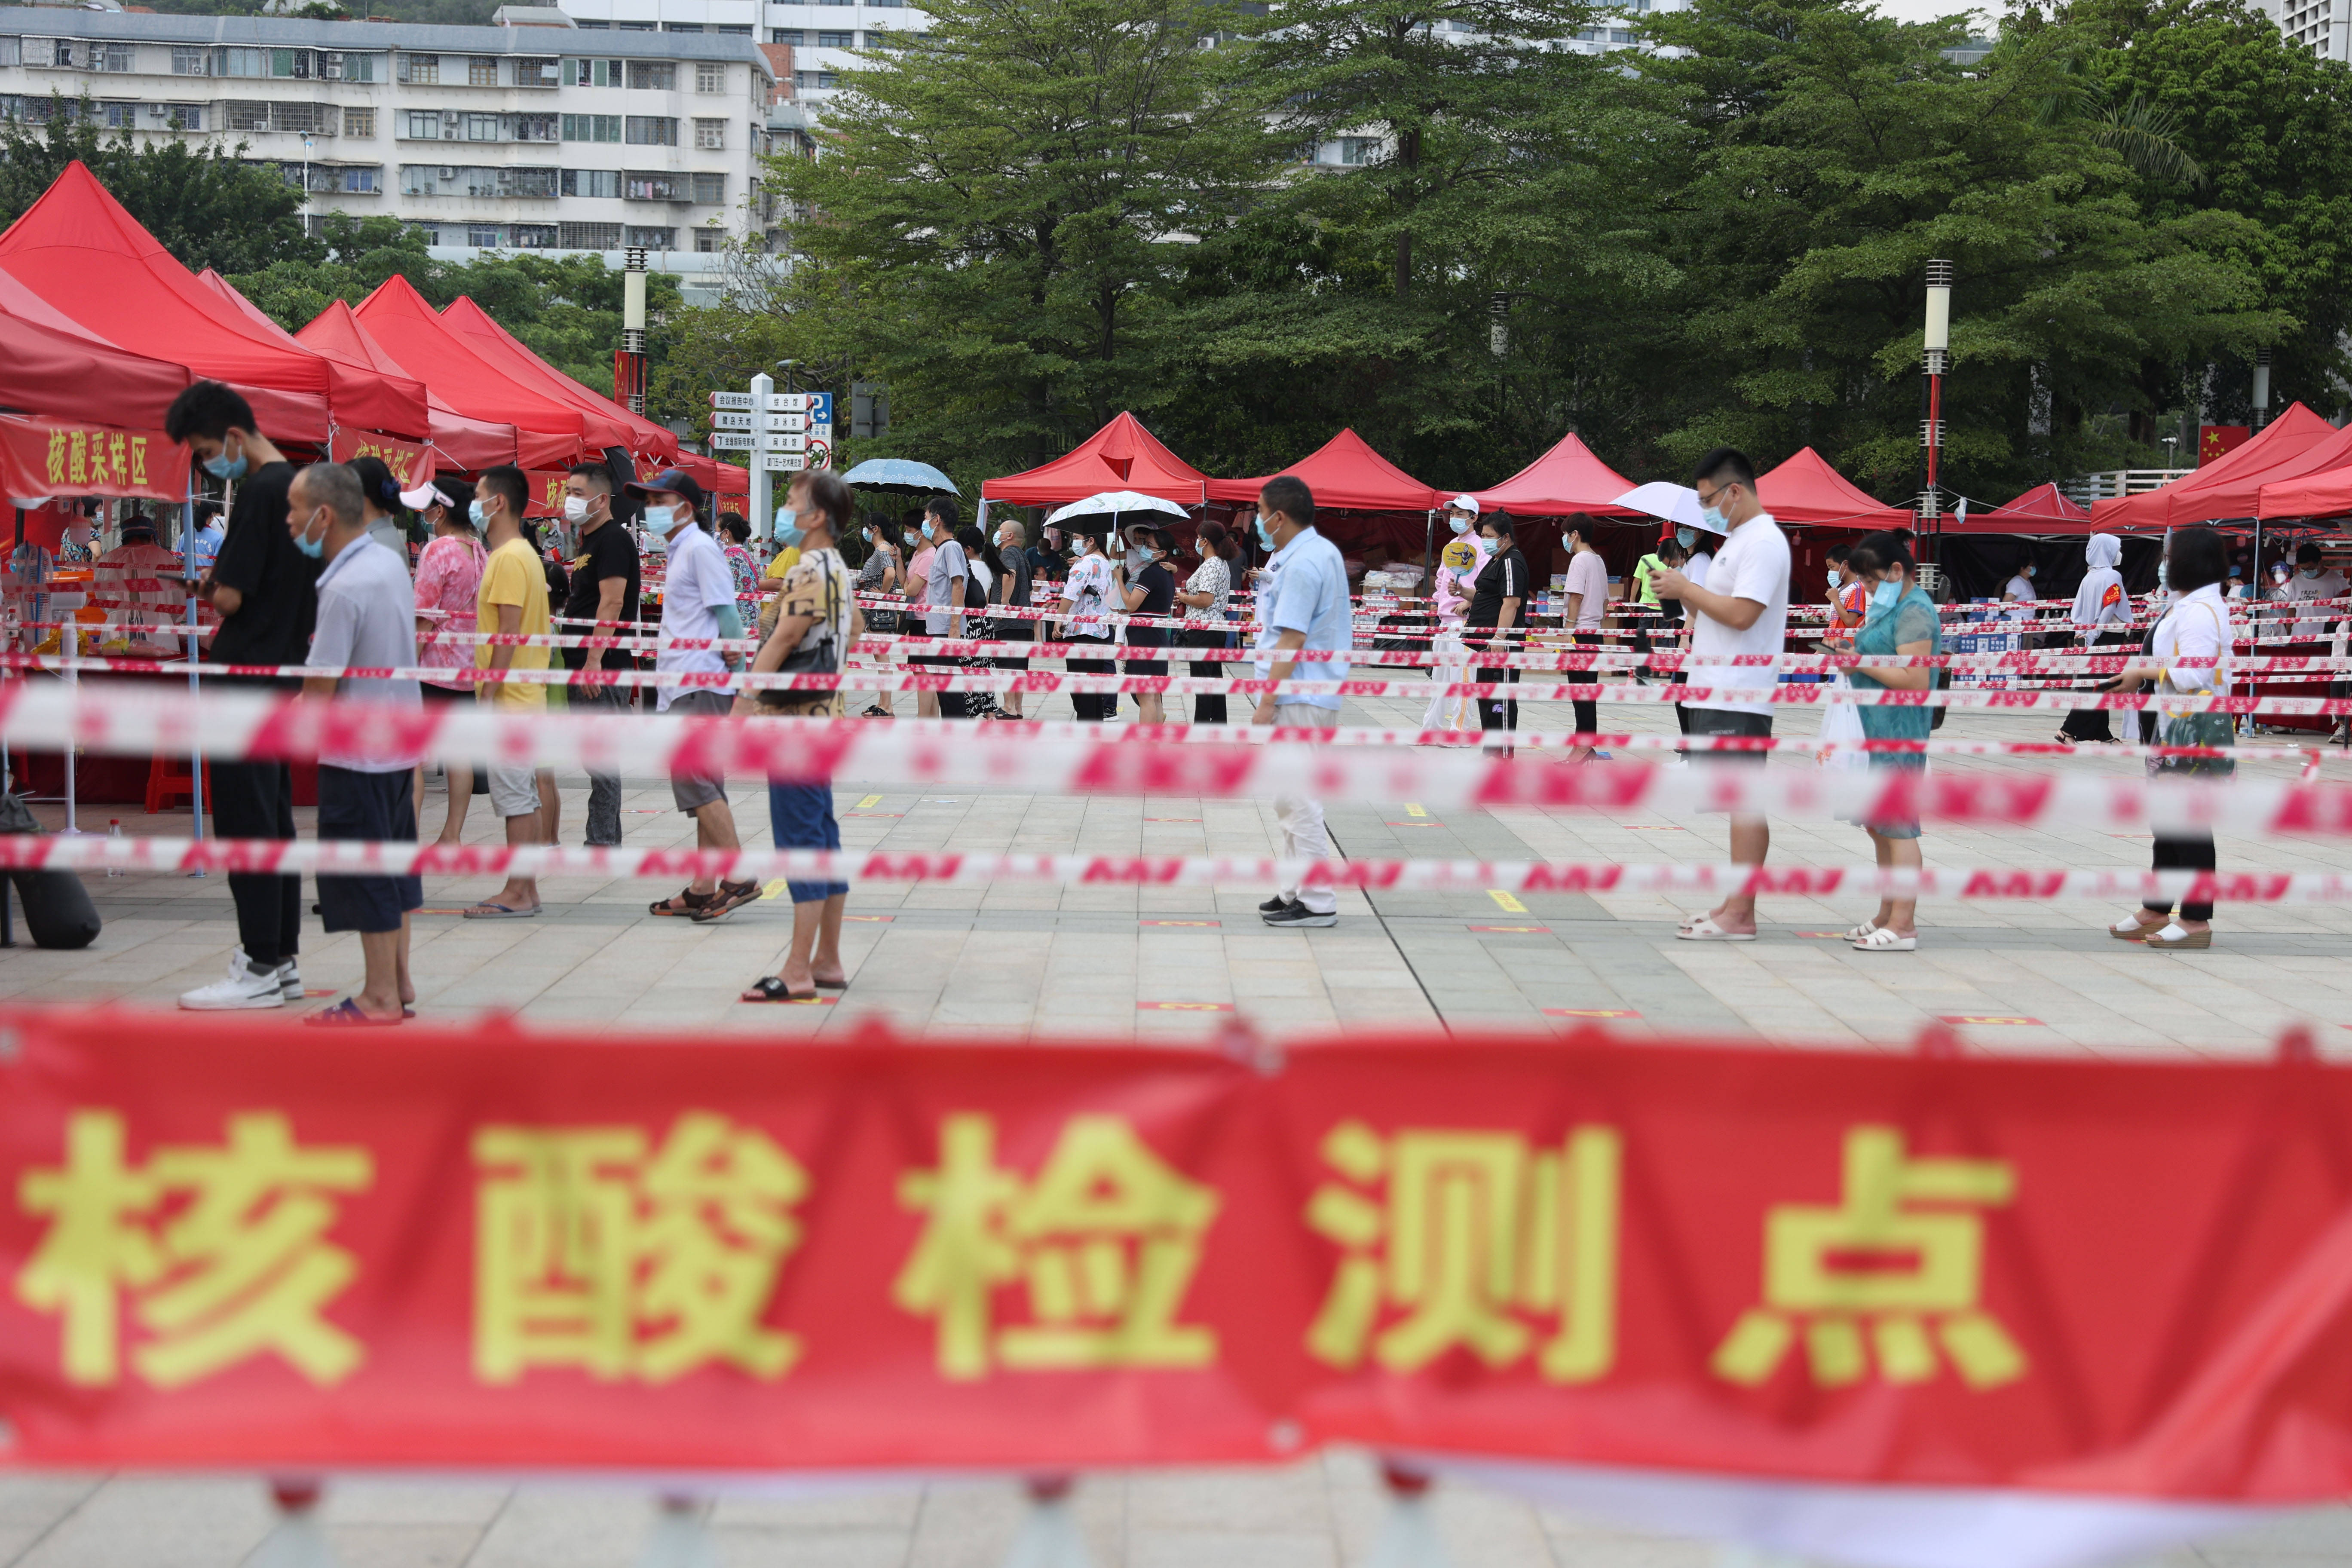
(79, 251)
(1567, 479)
(2328, 493)
(397, 317)
(715, 477)
(2183, 500)
(1806, 489)
(52, 365)
(2041, 510)
(1121, 456)
(1346, 475)
(458, 442)
(609, 423)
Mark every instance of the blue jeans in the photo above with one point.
(800, 816)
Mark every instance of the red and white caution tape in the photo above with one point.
(253, 724)
(343, 857)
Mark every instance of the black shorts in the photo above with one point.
(366, 808)
(1721, 721)
(445, 696)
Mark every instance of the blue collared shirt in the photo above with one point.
(1308, 592)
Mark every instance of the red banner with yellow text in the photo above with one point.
(404, 457)
(224, 1244)
(60, 458)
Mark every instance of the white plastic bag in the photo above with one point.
(1842, 729)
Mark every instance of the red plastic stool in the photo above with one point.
(169, 784)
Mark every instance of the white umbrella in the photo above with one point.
(1110, 503)
(1675, 504)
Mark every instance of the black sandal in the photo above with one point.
(730, 897)
(772, 988)
(695, 903)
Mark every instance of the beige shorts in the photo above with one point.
(514, 791)
(690, 792)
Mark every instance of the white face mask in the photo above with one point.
(575, 510)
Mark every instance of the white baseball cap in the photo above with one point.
(425, 495)
(1463, 504)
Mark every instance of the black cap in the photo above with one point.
(675, 481)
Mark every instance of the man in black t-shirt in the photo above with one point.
(1498, 600)
(605, 576)
(266, 591)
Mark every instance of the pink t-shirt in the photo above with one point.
(448, 579)
(1588, 576)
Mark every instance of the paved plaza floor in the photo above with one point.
(1099, 963)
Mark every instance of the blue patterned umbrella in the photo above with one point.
(898, 477)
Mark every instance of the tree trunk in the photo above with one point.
(1408, 157)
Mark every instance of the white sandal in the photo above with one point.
(1703, 928)
(1862, 930)
(1883, 940)
(2178, 936)
(2133, 928)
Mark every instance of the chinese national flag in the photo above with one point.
(2214, 441)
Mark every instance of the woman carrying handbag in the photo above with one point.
(2191, 652)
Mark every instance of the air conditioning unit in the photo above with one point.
(447, 173)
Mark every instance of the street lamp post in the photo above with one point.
(2262, 387)
(629, 364)
(1937, 343)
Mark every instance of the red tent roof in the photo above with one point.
(1346, 475)
(1121, 456)
(2240, 495)
(397, 317)
(1805, 488)
(609, 423)
(2182, 501)
(2041, 510)
(716, 478)
(2324, 493)
(51, 367)
(472, 445)
(78, 251)
(1567, 479)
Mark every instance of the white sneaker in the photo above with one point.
(240, 990)
(289, 979)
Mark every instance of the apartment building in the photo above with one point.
(531, 136)
(822, 33)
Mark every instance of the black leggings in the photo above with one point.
(1090, 706)
(2186, 853)
(255, 800)
(1588, 714)
(1209, 707)
(1499, 713)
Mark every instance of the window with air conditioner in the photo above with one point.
(710, 135)
(246, 115)
(110, 57)
(1359, 149)
(189, 59)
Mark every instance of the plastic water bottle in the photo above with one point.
(114, 831)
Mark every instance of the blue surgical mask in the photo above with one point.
(474, 511)
(1687, 537)
(911, 538)
(1142, 557)
(2311, 571)
(1884, 596)
(316, 549)
(789, 533)
(1265, 535)
(1485, 545)
(661, 520)
(221, 467)
(1713, 517)
(2164, 573)
(1458, 524)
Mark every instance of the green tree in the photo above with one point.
(1000, 212)
(200, 202)
(2268, 125)
(1833, 152)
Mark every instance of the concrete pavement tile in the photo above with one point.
(159, 1522)
(1229, 1549)
(370, 1501)
(42, 1499)
(402, 1545)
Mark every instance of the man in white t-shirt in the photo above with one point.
(698, 603)
(1744, 610)
(1588, 603)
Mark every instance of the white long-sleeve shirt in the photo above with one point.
(2197, 626)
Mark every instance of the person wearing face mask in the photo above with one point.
(2101, 618)
(381, 494)
(1457, 579)
(2019, 587)
(1461, 516)
(698, 605)
(1148, 587)
(606, 579)
(1648, 612)
(1305, 605)
(2314, 579)
(1207, 595)
(1588, 603)
(1744, 612)
(1901, 619)
(1086, 592)
(366, 792)
(448, 584)
(1014, 584)
(265, 592)
(512, 599)
(884, 572)
(946, 575)
(1497, 606)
